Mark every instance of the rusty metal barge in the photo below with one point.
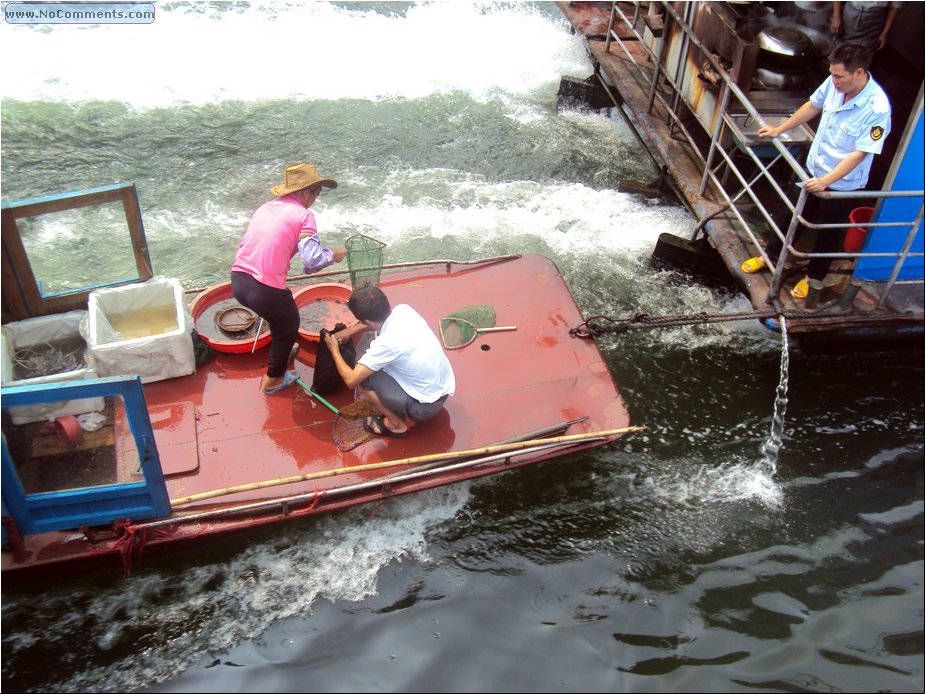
(695, 86)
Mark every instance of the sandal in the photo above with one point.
(800, 289)
(289, 378)
(376, 425)
(753, 265)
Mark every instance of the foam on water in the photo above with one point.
(336, 558)
(569, 218)
(202, 53)
(501, 55)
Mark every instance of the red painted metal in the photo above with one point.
(211, 296)
(215, 429)
(68, 429)
(330, 300)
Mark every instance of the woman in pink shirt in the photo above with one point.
(278, 230)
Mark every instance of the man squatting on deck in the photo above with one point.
(278, 230)
(855, 122)
(404, 372)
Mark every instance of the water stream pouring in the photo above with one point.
(772, 446)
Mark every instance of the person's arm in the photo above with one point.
(804, 114)
(842, 169)
(836, 23)
(314, 256)
(348, 332)
(352, 376)
(887, 25)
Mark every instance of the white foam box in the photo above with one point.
(143, 328)
(34, 336)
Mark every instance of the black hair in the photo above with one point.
(852, 55)
(369, 303)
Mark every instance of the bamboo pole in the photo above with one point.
(431, 457)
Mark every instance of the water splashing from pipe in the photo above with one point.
(772, 446)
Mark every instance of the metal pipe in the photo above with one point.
(777, 279)
(714, 139)
(814, 293)
(610, 32)
(658, 66)
(854, 286)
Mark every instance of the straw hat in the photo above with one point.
(299, 176)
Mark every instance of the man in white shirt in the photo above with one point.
(404, 372)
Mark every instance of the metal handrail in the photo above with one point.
(728, 89)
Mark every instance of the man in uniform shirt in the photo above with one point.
(855, 122)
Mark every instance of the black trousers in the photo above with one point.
(819, 211)
(278, 309)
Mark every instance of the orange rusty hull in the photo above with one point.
(215, 429)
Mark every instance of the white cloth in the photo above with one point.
(313, 255)
(862, 124)
(409, 351)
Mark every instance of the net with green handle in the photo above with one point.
(461, 327)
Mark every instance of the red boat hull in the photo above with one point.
(215, 431)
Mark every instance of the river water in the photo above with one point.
(684, 558)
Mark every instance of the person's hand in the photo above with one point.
(768, 131)
(330, 339)
(339, 254)
(836, 26)
(814, 185)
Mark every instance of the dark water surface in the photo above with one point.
(679, 559)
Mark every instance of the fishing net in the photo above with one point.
(364, 260)
(461, 327)
(47, 359)
(349, 429)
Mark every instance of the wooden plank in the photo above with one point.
(137, 233)
(67, 201)
(47, 443)
(175, 436)
(21, 296)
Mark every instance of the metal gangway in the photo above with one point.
(760, 189)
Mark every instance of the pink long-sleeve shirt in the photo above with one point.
(272, 238)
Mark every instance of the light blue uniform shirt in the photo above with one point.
(862, 124)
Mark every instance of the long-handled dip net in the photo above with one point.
(349, 425)
(349, 428)
(364, 260)
(461, 327)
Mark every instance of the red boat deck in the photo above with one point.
(216, 430)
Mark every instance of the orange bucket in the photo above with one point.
(854, 236)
